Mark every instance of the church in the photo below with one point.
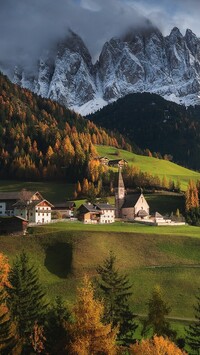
(129, 206)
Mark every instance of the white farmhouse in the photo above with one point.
(96, 213)
(28, 205)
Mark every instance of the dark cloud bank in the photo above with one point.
(29, 26)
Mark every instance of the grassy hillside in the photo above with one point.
(52, 191)
(64, 252)
(152, 165)
(151, 122)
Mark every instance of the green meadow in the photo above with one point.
(64, 251)
(167, 256)
(152, 165)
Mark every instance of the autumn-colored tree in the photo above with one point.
(165, 183)
(156, 319)
(7, 327)
(37, 338)
(89, 336)
(156, 346)
(78, 187)
(191, 196)
(85, 186)
(4, 270)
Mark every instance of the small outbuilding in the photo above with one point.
(14, 224)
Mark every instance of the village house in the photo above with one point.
(66, 209)
(30, 206)
(119, 163)
(14, 224)
(96, 213)
(103, 160)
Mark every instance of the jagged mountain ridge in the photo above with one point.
(140, 61)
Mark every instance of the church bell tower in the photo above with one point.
(119, 195)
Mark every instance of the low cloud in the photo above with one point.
(29, 26)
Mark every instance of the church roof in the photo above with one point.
(130, 200)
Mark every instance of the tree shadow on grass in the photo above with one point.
(58, 259)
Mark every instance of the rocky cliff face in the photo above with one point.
(142, 61)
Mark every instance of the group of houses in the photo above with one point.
(128, 207)
(27, 207)
(22, 208)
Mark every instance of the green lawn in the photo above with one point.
(152, 165)
(63, 252)
(121, 227)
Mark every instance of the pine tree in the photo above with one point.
(89, 336)
(116, 291)
(26, 297)
(56, 333)
(193, 331)
(157, 311)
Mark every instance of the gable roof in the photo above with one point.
(34, 203)
(19, 195)
(105, 206)
(89, 207)
(14, 195)
(131, 200)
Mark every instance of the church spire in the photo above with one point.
(120, 188)
(119, 194)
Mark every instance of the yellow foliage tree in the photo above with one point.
(4, 270)
(88, 334)
(156, 346)
(7, 328)
(191, 196)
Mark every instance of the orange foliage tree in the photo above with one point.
(156, 346)
(7, 328)
(191, 196)
(88, 334)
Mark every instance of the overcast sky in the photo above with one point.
(27, 26)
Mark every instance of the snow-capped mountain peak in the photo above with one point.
(140, 61)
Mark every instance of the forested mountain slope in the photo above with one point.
(40, 139)
(154, 123)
